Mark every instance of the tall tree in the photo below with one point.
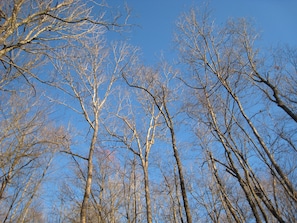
(156, 86)
(31, 29)
(87, 77)
(28, 144)
(139, 118)
(222, 61)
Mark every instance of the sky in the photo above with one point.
(276, 21)
(155, 21)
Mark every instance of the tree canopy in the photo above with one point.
(91, 133)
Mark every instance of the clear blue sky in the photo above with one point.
(276, 20)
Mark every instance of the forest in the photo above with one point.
(90, 133)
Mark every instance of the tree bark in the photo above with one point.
(149, 217)
(84, 206)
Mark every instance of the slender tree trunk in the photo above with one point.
(36, 188)
(288, 186)
(84, 207)
(162, 107)
(223, 194)
(147, 193)
(181, 175)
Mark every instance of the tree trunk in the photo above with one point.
(84, 206)
(147, 194)
(181, 175)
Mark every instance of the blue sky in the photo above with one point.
(276, 21)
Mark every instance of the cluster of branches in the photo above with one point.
(246, 104)
(215, 142)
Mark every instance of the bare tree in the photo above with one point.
(137, 120)
(224, 75)
(167, 195)
(88, 75)
(31, 29)
(132, 188)
(28, 145)
(150, 82)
